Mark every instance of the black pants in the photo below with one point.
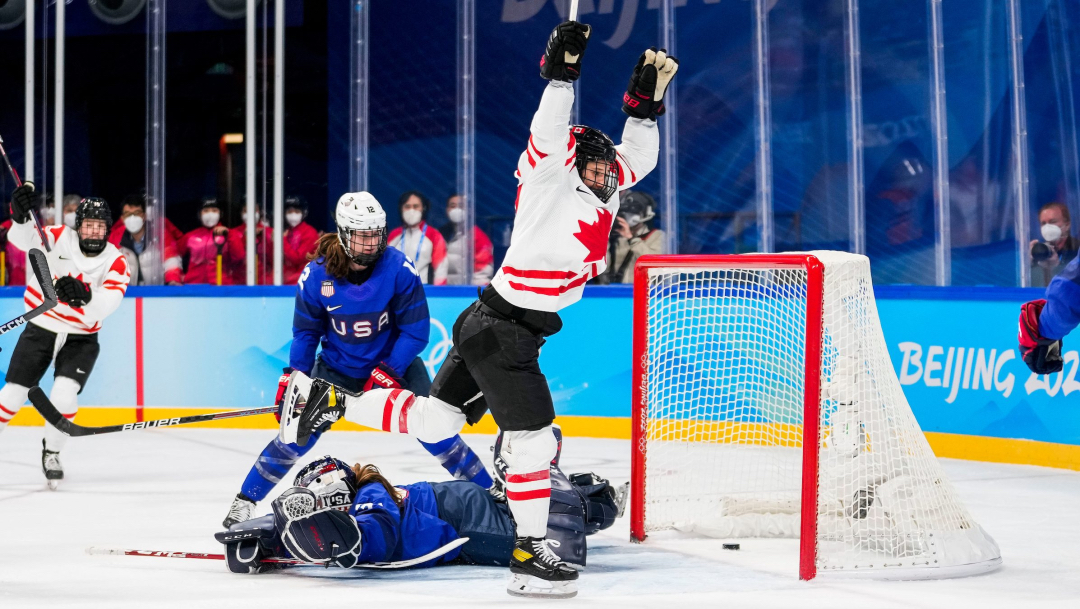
(34, 352)
(499, 359)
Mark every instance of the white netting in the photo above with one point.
(725, 375)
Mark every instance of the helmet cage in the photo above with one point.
(345, 236)
(594, 145)
(331, 480)
(93, 208)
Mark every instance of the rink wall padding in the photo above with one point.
(204, 349)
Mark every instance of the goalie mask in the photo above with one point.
(595, 161)
(93, 208)
(332, 481)
(361, 224)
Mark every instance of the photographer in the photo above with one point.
(1057, 248)
(632, 236)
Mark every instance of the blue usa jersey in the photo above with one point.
(389, 533)
(1062, 312)
(384, 319)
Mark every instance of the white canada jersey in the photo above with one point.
(107, 274)
(561, 228)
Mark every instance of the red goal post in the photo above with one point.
(815, 272)
(766, 404)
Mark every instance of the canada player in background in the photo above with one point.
(345, 516)
(1045, 322)
(365, 304)
(92, 278)
(569, 178)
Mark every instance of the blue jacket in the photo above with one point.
(1062, 311)
(391, 534)
(384, 319)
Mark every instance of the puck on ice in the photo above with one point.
(731, 546)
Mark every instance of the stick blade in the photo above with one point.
(40, 266)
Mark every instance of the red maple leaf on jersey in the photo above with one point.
(595, 236)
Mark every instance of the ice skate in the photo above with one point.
(325, 405)
(51, 466)
(536, 572)
(242, 508)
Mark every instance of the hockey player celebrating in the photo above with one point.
(336, 515)
(92, 278)
(1044, 322)
(569, 178)
(365, 304)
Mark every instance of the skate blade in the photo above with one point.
(528, 586)
(53, 484)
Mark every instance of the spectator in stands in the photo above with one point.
(170, 228)
(419, 242)
(633, 236)
(236, 252)
(299, 241)
(453, 233)
(204, 245)
(71, 203)
(1057, 248)
(133, 239)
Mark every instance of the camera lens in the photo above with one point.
(1040, 251)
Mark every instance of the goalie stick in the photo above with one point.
(400, 564)
(40, 267)
(52, 415)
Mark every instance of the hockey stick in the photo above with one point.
(573, 10)
(401, 564)
(40, 267)
(18, 183)
(52, 415)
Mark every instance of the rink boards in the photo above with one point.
(172, 350)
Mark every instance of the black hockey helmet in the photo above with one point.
(93, 208)
(296, 202)
(595, 145)
(635, 203)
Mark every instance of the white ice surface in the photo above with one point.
(169, 490)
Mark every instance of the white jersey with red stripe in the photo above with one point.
(107, 274)
(561, 228)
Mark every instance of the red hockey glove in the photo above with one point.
(282, 384)
(383, 377)
(1042, 355)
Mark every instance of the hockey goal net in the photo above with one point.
(765, 405)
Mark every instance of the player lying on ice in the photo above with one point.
(342, 516)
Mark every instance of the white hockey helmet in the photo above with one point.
(361, 212)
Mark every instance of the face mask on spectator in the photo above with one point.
(69, 220)
(456, 215)
(411, 216)
(294, 218)
(243, 217)
(210, 219)
(1050, 232)
(633, 220)
(133, 224)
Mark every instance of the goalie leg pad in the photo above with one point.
(566, 519)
